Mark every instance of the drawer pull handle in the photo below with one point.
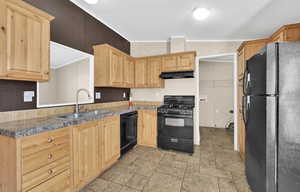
(50, 156)
(50, 140)
(50, 171)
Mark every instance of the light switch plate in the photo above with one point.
(98, 95)
(28, 96)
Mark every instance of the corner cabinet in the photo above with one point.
(147, 128)
(24, 41)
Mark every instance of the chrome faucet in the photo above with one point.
(77, 94)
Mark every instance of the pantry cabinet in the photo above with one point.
(287, 33)
(24, 41)
(147, 128)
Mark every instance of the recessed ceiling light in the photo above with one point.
(201, 13)
(91, 1)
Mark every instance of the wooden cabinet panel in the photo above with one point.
(129, 72)
(169, 63)
(45, 173)
(25, 39)
(85, 152)
(186, 62)
(141, 73)
(147, 128)
(111, 141)
(116, 72)
(60, 183)
(154, 70)
(241, 64)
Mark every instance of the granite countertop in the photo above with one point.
(22, 128)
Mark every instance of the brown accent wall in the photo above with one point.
(109, 94)
(12, 95)
(75, 28)
(71, 27)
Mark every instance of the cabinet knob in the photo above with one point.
(50, 156)
(46, 73)
(50, 171)
(50, 140)
(3, 28)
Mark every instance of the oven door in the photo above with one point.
(177, 126)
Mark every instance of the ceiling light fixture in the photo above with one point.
(201, 13)
(91, 1)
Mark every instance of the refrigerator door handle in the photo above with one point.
(246, 107)
(246, 79)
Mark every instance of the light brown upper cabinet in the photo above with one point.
(169, 63)
(24, 41)
(287, 33)
(141, 73)
(179, 62)
(154, 70)
(129, 71)
(108, 66)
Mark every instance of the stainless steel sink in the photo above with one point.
(73, 116)
(83, 114)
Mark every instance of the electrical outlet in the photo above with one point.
(124, 95)
(98, 95)
(28, 96)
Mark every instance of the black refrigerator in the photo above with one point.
(271, 108)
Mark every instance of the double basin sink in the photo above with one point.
(84, 114)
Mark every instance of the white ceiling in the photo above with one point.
(61, 55)
(157, 20)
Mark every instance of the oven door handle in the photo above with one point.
(177, 116)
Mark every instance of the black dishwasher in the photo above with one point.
(128, 131)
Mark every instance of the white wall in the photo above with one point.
(180, 86)
(216, 88)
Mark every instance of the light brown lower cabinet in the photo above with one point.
(147, 128)
(63, 160)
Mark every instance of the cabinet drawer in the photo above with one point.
(45, 173)
(42, 158)
(59, 183)
(43, 141)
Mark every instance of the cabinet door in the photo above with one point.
(169, 63)
(111, 148)
(186, 62)
(147, 128)
(85, 151)
(154, 70)
(27, 44)
(141, 73)
(116, 72)
(252, 49)
(241, 64)
(129, 73)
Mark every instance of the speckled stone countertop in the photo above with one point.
(22, 128)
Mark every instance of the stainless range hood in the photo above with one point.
(177, 75)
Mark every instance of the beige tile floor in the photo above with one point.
(214, 167)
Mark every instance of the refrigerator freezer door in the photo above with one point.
(289, 118)
(272, 66)
(256, 144)
(255, 76)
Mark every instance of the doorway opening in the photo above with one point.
(216, 93)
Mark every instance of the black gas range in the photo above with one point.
(176, 123)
